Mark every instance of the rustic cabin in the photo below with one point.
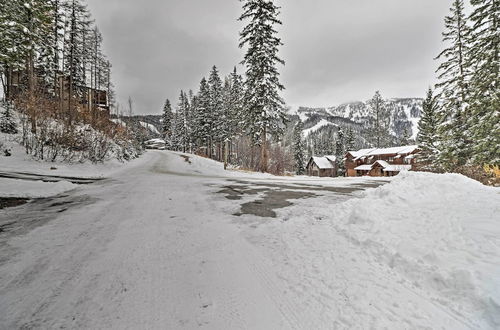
(17, 80)
(380, 161)
(325, 166)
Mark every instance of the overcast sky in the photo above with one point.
(335, 50)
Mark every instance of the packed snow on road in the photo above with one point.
(173, 241)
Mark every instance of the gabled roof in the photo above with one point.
(360, 153)
(331, 158)
(363, 167)
(323, 163)
(403, 150)
(386, 167)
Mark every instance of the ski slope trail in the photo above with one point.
(157, 246)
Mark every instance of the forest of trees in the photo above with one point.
(460, 126)
(55, 74)
(239, 121)
(56, 77)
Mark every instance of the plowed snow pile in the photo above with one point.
(440, 231)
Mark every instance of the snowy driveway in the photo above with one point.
(166, 244)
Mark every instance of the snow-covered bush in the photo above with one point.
(4, 150)
(47, 134)
(7, 122)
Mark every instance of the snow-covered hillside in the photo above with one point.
(404, 114)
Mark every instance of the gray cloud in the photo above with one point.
(335, 50)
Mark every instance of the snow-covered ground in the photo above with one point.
(169, 241)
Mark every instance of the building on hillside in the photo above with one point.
(380, 161)
(17, 80)
(325, 166)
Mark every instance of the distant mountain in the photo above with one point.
(404, 115)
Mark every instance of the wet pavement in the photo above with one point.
(47, 178)
(274, 196)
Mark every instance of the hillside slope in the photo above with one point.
(404, 114)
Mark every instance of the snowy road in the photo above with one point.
(162, 244)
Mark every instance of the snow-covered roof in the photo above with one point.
(397, 168)
(385, 166)
(331, 158)
(382, 163)
(322, 162)
(363, 167)
(403, 150)
(360, 153)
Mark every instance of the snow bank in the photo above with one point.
(440, 231)
(32, 189)
(190, 164)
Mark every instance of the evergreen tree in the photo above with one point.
(236, 104)
(349, 140)
(7, 123)
(177, 142)
(216, 109)
(265, 113)
(167, 123)
(380, 121)
(453, 87)
(428, 138)
(405, 138)
(298, 148)
(484, 121)
(193, 129)
(203, 118)
(340, 151)
(10, 29)
(183, 124)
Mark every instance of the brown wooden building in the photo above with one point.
(325, 166)
(380, 161)
(16, 82)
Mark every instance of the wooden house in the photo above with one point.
(380, 161)
(16, 83)
(325, 166)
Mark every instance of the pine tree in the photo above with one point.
(349, 140)
(167, 123)
(203, 118)
(265, 113)
(193, 110)
(380, 121)
(405, 138)
(183, 123)
(454, 74)
(298, 148)
(428, 138)
(7, 123)
(177, 142)
(236, 104)
(340, 151)
(484, 121)
(216, 110)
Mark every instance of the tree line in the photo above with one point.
(460, 125)
(54, 72)
(236, 119)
